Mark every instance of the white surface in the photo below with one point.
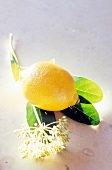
(78, 34)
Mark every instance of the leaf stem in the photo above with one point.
(11, 48)
(37, 117)
(10, 41)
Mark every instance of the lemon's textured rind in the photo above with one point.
(48, 86)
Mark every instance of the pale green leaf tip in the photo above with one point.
(52, 61)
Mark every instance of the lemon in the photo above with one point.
(48, 86)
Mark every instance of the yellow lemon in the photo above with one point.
(48, 86)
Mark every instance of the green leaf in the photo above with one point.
(90, 111)
(30, 116)
(15, 67)
(48, 117)
(88, 89)
(83, 100)
(44, 116)
(83, 113)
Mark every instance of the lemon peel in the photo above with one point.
(48, 86)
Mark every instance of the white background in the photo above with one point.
(78, 34)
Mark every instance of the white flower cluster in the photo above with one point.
(43, 140)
